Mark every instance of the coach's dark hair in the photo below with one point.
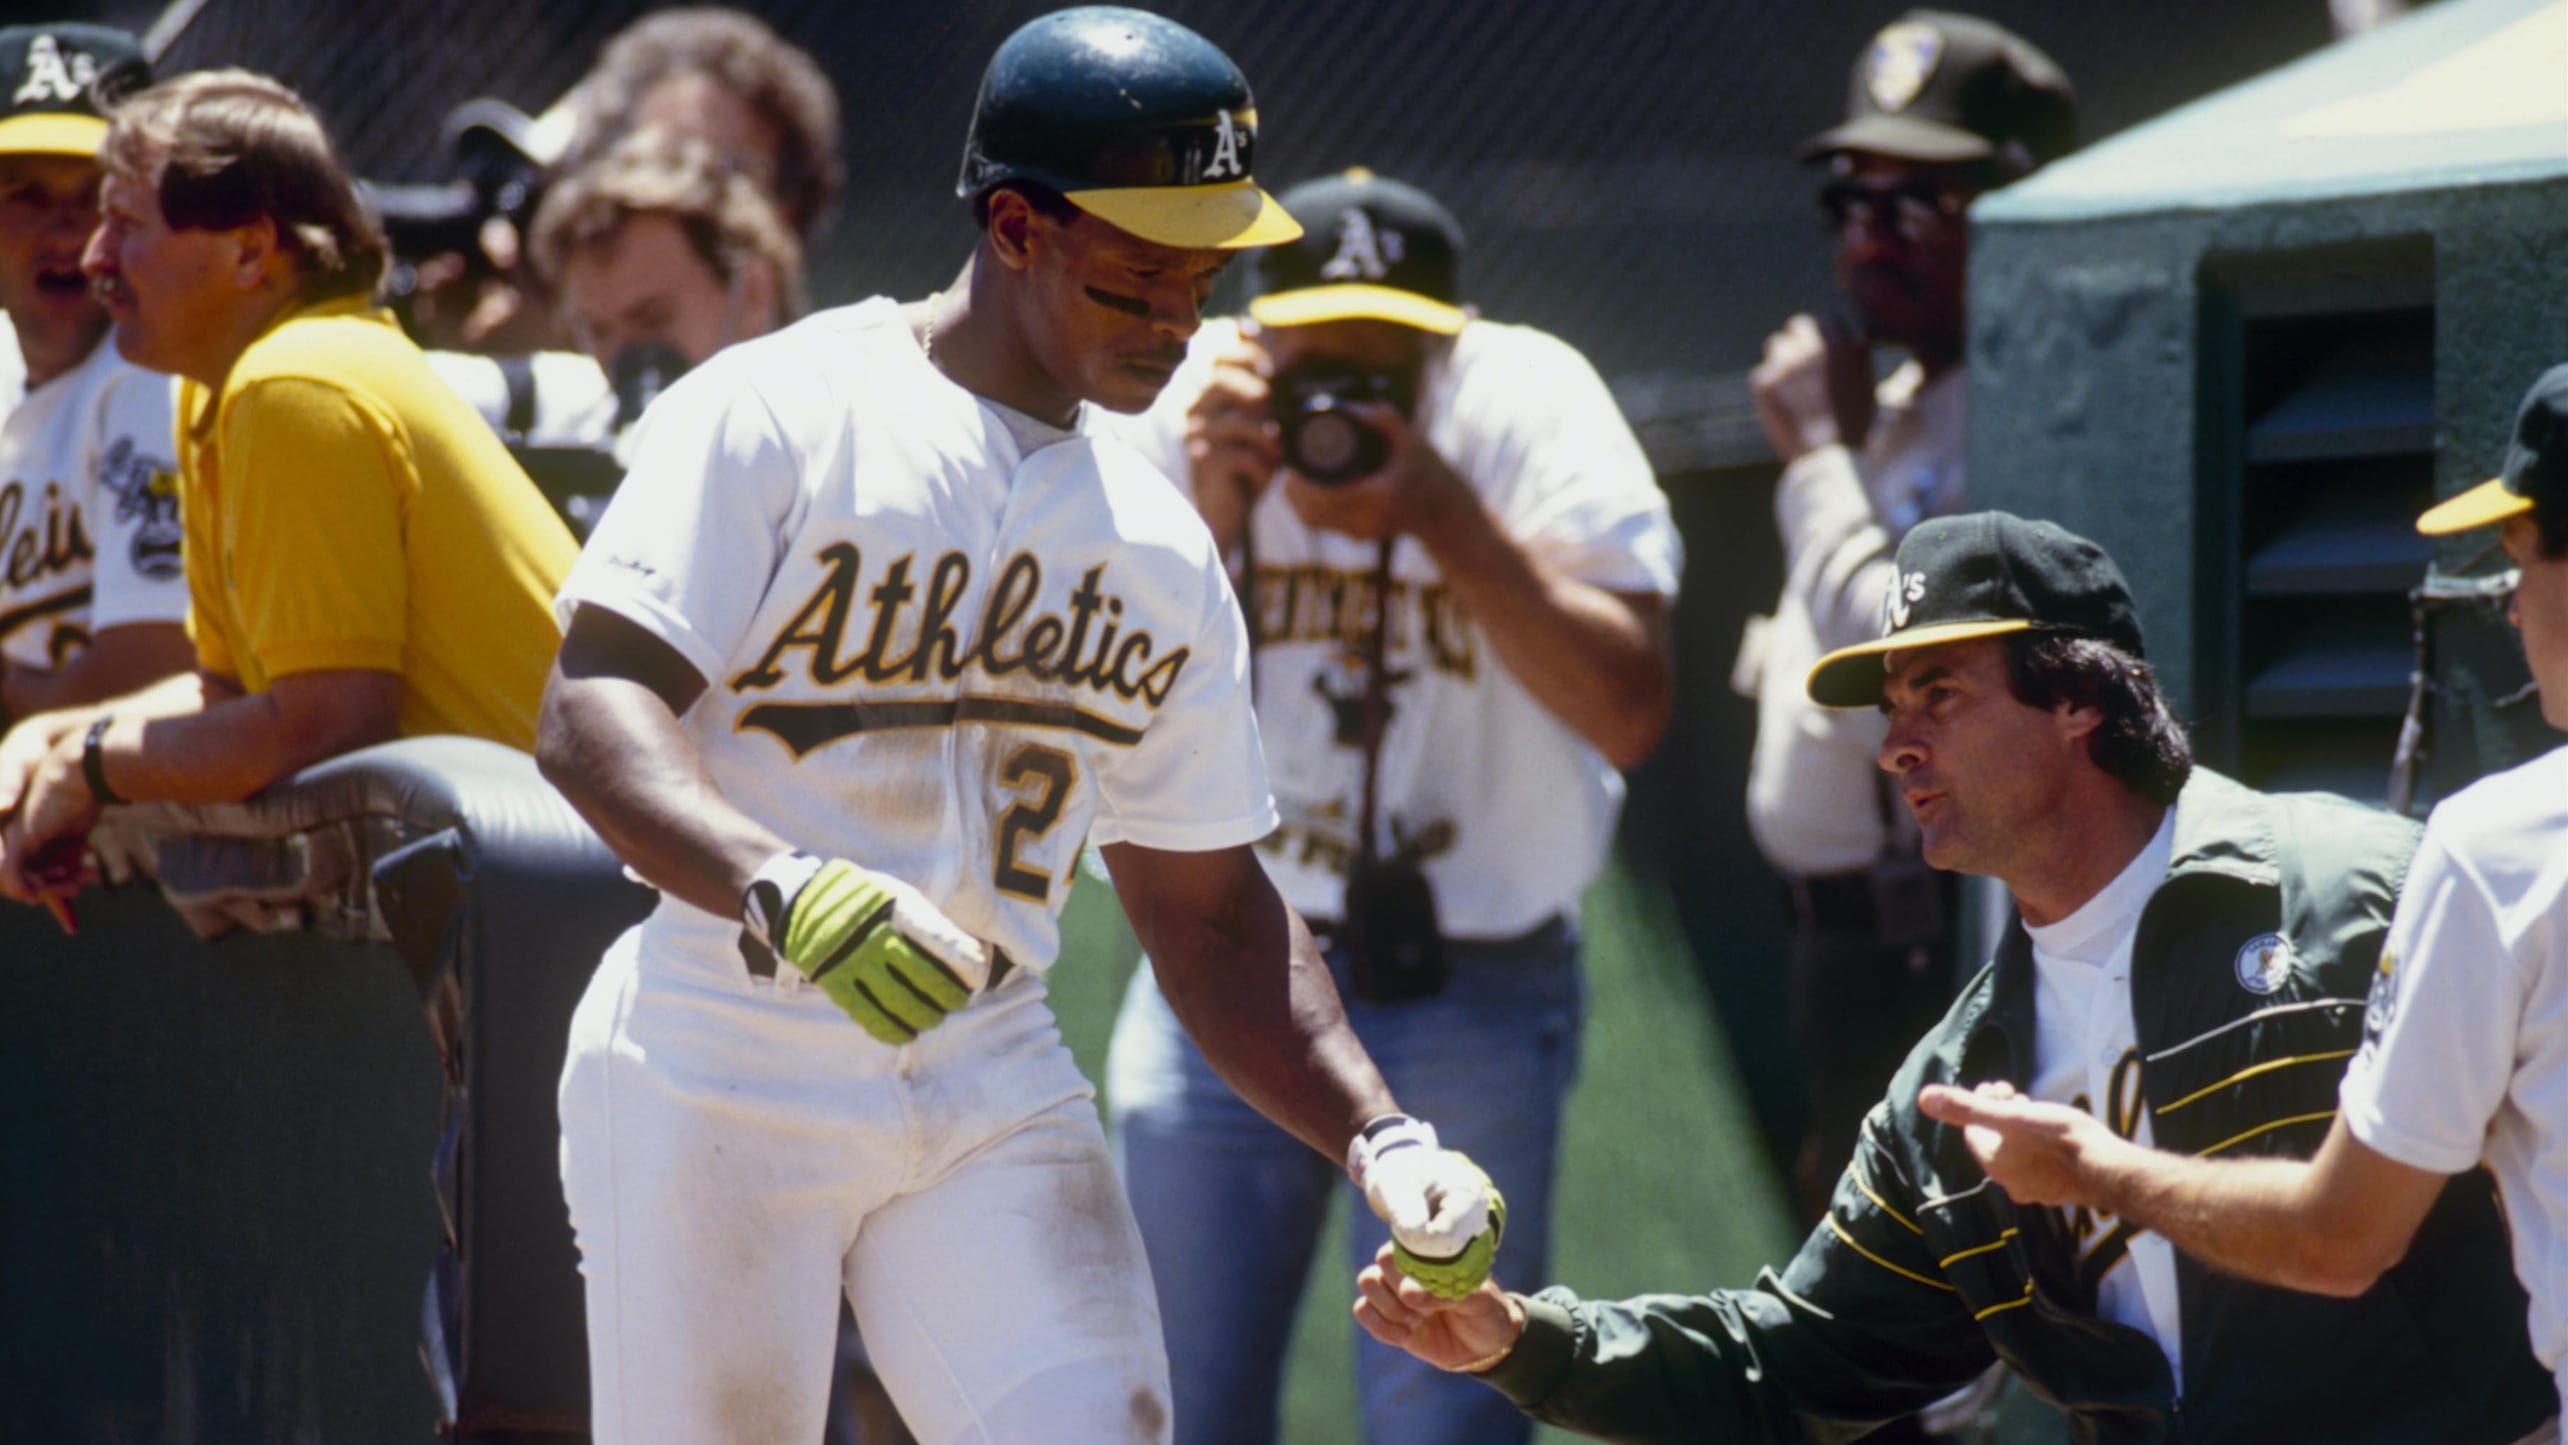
(2139, 742)
(1047, 202)
(224, 148)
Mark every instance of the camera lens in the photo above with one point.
(1330, 445)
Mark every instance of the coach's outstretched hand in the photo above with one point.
(2038, 1153)
(1465, 1335)
(1446, 1217)
(874, 944)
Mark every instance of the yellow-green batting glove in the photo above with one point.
(872, 943)
(1446, 1217)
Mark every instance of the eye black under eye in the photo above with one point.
(1128, 305)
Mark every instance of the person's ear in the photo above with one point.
(2076, 721)
(1017, 231)
(254, 251)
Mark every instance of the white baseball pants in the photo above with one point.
(736, 1152)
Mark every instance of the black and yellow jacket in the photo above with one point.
(1924, 1273)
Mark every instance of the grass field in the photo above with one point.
(1664, 1185)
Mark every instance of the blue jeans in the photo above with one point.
(1231, 1207)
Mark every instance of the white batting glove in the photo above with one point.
(1446, 1217)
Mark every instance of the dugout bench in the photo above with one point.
(244, 1194)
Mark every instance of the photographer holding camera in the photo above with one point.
(1458, 570)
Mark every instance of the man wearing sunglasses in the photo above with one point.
(1942, 108)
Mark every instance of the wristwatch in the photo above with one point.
(93, 761)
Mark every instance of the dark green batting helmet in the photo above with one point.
(1134, 119)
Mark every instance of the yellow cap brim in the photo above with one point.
(1356, 302)
(1227, 217)
(1841, 679)
(52, 133)
(2483, 504)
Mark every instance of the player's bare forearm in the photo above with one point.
(609, 739)
(231, 744)
(2329, 1224)
(1600, 661)
(1241, 973)
(120, 660)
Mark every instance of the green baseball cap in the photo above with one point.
(1371, 248)
(1984, 574)
(2536, 470)
(48, 75)
(1936, 86)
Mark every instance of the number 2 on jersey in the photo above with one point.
(1050, 773)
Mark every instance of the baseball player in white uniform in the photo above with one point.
(92, 600)
(2464, 1059)
(873, 638)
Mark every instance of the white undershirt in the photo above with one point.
(2082, 1030)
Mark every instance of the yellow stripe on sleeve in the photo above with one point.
(2004, 1305)
(2245, 1074)
(1840, 1231)
(1998, 1243)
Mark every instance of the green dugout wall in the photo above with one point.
(2243, 344)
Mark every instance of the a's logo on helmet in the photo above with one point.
(1900, 63)
(1365, 252)
(1230, 150)
(53, 73)
(1898, 597)
(2263, 964)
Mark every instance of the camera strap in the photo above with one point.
(1375, 713)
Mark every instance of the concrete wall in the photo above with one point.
(2089, 374)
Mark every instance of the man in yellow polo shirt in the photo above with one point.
(364, 559)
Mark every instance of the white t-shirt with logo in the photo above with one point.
(2086, 1052)
(13, 367)
(929, 650)
(2465, 1042)
(89, 533)
(1510, 811)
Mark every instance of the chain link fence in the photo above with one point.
(1626, 168)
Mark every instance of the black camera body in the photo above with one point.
(1395, 950)
(1323, 438)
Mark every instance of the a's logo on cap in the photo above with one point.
(1364, 251)
(1903, 592)
(1902, 60)
(54, 74)
(1229, 153)
(2381, 1006)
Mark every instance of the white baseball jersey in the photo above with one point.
(1510, 811)
(2465, 1042)
(2086, 1053)
(13, 367)
(929, 651)
(89, 532)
